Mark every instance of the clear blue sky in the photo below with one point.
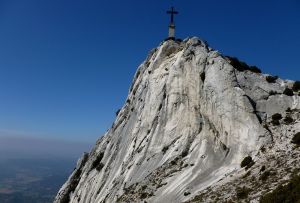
(66, 65)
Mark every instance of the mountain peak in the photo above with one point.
(191, 116)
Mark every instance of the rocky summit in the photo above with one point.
(197, 126)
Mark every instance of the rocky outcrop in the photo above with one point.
(189, 120)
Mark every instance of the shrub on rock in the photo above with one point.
(164, 149)
(271, 79)
(97, 162)
(264, 176)
(288, 120)
(242, 66)
(273, 92)
(287, 91)
(254, 69)
(246, 161)
(276, 118)
(296, 86)
(296, 139)
(242, 193)
(263, 168)
(100, 166)
(184, 153)
(186, 193)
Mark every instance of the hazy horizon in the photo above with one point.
(26, 147)
(34, 168)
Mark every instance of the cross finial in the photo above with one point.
(172, 12)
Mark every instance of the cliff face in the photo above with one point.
(189, 120)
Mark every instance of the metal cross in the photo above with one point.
(172, 12)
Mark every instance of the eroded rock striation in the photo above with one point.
(189, 120)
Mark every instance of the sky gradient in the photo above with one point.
(66, 65)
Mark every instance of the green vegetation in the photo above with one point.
(198, 198)
(296, 86)
(144, 195)
(276, 118)
(164, 149)
(272, 92)
(288, 120)
(173, 162)
(186, 193)
(265, 175)
(247, 162)
(242, 193)
(184, 153)
(100, 166)
(97, 162)
(271, 79)
(242, 66)
(254, 69)
(287, 91)
(296, 139)
(288, 193)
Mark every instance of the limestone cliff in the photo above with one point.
(190, 118)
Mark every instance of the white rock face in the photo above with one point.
(189, 120)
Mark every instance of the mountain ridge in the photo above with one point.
(188, 121)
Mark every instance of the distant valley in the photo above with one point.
(33, 169)
(32, 180)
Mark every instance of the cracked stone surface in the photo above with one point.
(189, 120)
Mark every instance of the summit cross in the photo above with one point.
(172, 12)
